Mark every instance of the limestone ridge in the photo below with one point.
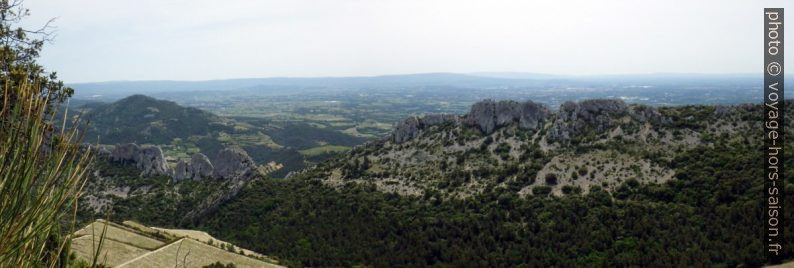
(486, 115)
(233, 164)
(573, 118)
(198, 168)
(236, 167)
(576, 118)
(597, 116)
(410, 127)
(149, 159)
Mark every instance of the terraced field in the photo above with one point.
(135, 245)
(187, 252)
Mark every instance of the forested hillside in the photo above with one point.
(594, 183)
(706, 214)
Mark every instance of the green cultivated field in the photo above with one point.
(325, 149)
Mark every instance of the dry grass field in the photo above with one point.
(113, 252)
(205, 238)
(187, 252)
(120, 233)
(135, 245)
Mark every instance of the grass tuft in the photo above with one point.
(41, 176)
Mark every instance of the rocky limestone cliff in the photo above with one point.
(152, 162)
(149, 159)
(575, 118)
(237, 168)
(234, 163)
(645, 113)
(488, 115)
(233, 170)
(198, 168)
(125, 153)
(411, 127)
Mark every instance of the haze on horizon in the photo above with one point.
(202, 40)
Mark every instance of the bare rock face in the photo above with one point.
(182, 171)
(532, 115)
(574, 118)
(406, 130)
(489, 115)
(201, 166)
(507, 112)
(722, 110)
(645, 113)
(197, 169)
(125, 153)
(233, 163)
(592, 111)
(149, 159)
(483, 115)
(411, 127)
(103, 152)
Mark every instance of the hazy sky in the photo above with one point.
(101, 40)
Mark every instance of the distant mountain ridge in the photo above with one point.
(112, 90)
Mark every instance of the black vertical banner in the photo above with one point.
(773, 134)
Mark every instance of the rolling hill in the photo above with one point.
(143, 119)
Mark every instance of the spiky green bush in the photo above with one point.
(41, 175)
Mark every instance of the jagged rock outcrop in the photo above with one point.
(182, 171)
(592, 111)
(575, 118)
(483, 115)
(230, 164)
(489, 115)
(645, 113)
(532, 115)
(149, 159)
(233, 168)
(722, 110)
(406, 130)
(234, 163)
(411, 127)
(198, 168)
(125, 153)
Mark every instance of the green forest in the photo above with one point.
(708, 216)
